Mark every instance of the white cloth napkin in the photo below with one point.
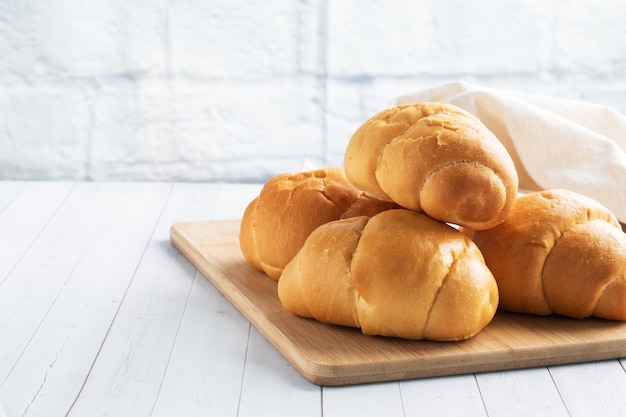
(554, 143)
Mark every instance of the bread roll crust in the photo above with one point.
(435, 158)
(399, 273)
(290, 206)
(328, 256)
(558, 252)
(600, 259)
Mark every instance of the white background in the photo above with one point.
(227, 90)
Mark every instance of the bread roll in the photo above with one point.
(558, 252)
(290, 206)
(398, 273)
(435, 158)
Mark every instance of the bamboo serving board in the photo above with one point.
(334, 355)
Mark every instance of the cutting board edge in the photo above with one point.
(329, 375)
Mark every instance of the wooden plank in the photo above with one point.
(81, 267)
(276, 391)
(334, 355)
(597, 389)
(205, 370)
(24, 216)
(521, 392)
(233, 200)
(8, 191)
(452, 395)
(127, 375)
(206, 366)
(364, 400)
(53, 250)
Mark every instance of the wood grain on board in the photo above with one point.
(335, 355)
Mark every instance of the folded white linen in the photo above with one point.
(554, 143)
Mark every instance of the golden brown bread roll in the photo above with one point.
(558, 252)
(435, 158)
(290, 206)
(399, 273)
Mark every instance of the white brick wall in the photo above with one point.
(241, 90)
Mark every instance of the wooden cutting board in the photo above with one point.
(334, 355)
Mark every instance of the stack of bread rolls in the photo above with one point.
(376, 244)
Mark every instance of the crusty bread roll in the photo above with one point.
(290, 206)
(435, 158)
(558, 252)
(399, 273)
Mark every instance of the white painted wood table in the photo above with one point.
(101, 316)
